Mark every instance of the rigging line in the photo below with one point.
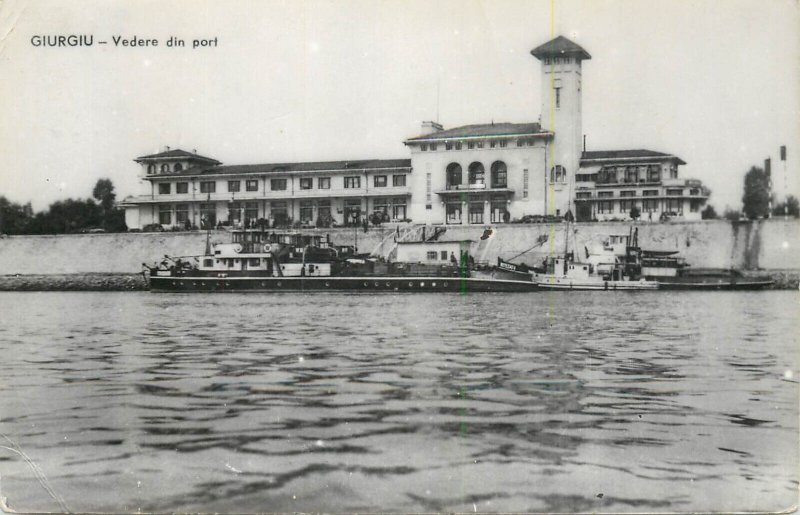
(38, 474)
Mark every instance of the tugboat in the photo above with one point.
(672, 272)
(257, 260)
(597, 273)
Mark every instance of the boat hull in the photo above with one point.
(273, 284)
(715, 285)
(564, 283)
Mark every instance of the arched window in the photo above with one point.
(453, 176)
(151, 168)
(165, 168)
(499, 175)
(558, 174)
(476, 173)
(178, 167)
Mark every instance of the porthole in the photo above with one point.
(264, 284)
(327, 284)
(445, 283)
(421, 284)
(278, 284)
(202, 284)
(388, 284)
(377, 284)
(433, 284)
(410, 284)
(174, 283)
(366, 283)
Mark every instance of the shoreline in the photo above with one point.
(784, 280)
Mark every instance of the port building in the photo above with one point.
(478, 174)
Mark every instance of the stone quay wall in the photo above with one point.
(768, 245)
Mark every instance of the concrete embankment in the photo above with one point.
(73, 282)
(764, 247)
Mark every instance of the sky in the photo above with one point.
(714, 82)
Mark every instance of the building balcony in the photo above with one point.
(388, 191)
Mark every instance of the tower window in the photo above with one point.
(558, 98)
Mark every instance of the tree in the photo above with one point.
(709, 213)
(14, 218)
(635, 213)
(756, 194)
(731, 214)
(103, 192)
(790, 207)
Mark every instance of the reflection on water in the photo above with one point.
(362, 402)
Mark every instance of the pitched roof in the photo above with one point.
(176, 153)
(269, 168)
(485, 129)
(640, 154)
(560, 46)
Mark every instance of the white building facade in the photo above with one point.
(186, 190)
(471, 175)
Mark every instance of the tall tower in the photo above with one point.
(561, 114)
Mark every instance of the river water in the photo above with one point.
(559, 401)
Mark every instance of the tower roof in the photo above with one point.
(560, 46)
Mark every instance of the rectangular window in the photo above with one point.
(558, 98)
(480, 144)
(234, 212)
(498, 210)
(324, 209)
(306, 211)
(525, 183)
(251, 185)
(234, 186)
(453, 212)
(650, 193)
(653, 173)
(583, 194)
(433, 146)
(448, 145)
(208, 216)
(381, 205)
(492, 144)
(182, 187)
(306, 183)
(694, 206)
(324, 183)
(458, 145)
(164, 215)
(631, 174)
(423, 147)
(279, 213)
(605, 207)
(432, 255)
(606, 194)
(649, 206)
(675, 192)
(352, 182)
(164, 188)
(476, 212)
(627, 193)
(208, 187)
(277, 184)
(398, 180)
(675, 205)
(470, 145)
(182, 214)
(626, 205)
(443, 255)
(399, 208)
(428, 198)
(352, 211)
(503, 143)
(251, 211)
(379, 181)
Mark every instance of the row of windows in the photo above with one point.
(648, 206)
(673, 192)
(471, 145)
(306, 183)
(164, 168)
